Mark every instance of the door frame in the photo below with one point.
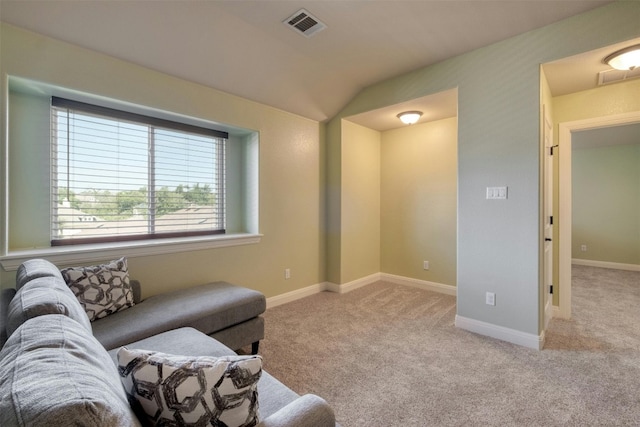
(564, 196)
(547, 213)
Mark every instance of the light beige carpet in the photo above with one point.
(389, 355)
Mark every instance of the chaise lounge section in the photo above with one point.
(228, 313)
(54, 371)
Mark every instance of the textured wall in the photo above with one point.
(418, 201)
(499, 145)
(290, 207)
(606, 203)
(603, 101)
(360, 231)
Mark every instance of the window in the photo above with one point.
(119, 176)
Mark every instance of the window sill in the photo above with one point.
(78, 254)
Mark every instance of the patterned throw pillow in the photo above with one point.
(171, 390)
(101, 289)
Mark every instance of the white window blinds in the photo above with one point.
(123, 176)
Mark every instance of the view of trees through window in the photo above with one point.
(112, 206)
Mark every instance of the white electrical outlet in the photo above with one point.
(425, 265)
(287, 273)
(490, 298)
(583, 248)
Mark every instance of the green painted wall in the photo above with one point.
(606, 203)
(499, 145)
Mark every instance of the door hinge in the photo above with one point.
(551, 220)
(551, 149)
(551, 289)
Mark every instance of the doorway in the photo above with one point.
(565, 195)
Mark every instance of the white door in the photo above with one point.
(548, 218)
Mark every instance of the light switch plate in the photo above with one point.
(497, 193)
(490, 298)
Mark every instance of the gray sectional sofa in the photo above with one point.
(57, 368)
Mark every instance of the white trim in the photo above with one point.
(564, 195)
(500, 332)
(296, 295)
(548, 312)
(321, 287)
(606, 264)
(69, 255)
(564, 220)
(422, 284)
(358, 283)
(354, 284)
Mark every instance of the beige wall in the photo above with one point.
(606, 203)
(290, 155)
(398, 202)
(360, 231)
(603, 101)
(418, 201)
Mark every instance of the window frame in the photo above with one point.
(152, 122)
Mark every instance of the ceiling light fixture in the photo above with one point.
(625, 59)
(410, 117)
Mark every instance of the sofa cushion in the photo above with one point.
(209, 308)
(34, 268)
(273, 395)
(6, 295)
(199, 390)
(54, 373)
(101, 289)
(182, 341)
(44, 295)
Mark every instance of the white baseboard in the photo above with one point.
(354, 284)
(417, 283)
(295, 295)
(606, 264)
(321, 287)
(358, 283)
(500, 332)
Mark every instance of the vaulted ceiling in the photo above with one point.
(243, 47)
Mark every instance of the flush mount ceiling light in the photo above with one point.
(410, 117)
(625, 59)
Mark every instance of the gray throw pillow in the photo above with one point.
(171, 390)
(101, 289)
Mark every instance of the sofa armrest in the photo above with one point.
(306, 411)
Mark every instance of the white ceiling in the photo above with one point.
(242, 47)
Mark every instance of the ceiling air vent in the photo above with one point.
(614, 76)
(304, 23)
